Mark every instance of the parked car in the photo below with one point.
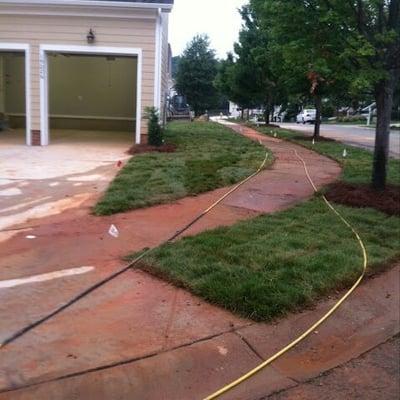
(308, 115)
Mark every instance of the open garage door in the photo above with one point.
(90, 94)
(13, 97)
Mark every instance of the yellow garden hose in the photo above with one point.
(319, 322)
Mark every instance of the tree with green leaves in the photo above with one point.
(197, 70)
(236, 82)
(246, 77)
(370, 30)
(303, 50)
(334, 46)
(254, 56)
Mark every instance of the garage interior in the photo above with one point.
(12, 97)
(92, 98)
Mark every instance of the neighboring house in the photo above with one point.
(82, 64)
(234, 110)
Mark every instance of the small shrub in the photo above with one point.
(155, 131)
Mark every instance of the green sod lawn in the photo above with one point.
(267, 266)
(208, 156)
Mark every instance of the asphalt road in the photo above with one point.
(352, 135)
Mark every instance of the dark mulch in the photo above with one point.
(387, 201)
(145, 148)
(272, 126)
(310, 139)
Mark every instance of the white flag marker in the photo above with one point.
(113, 231)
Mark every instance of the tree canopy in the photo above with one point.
(196, 74)
(316, 49)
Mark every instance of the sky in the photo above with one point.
(218, 18)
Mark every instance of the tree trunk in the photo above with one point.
(266, 112)
(318, 107)
(242, 114)
(247, 115)
(384, 102)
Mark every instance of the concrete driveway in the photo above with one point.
(40, 181)
(352, 135)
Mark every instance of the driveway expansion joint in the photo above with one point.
(249, 345)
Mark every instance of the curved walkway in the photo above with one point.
(141, 335)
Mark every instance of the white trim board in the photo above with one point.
(100, 118)
(26, 49)
(92, 3)
(116, 51)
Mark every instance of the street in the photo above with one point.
(352, 135)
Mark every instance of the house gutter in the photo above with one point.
(112, 4)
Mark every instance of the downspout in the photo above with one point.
(158, 60)
(2, 86)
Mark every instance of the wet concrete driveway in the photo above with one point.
(37, 182)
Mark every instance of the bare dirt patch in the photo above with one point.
(362, 196)
(145, 148)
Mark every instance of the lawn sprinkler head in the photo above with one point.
(344, 153)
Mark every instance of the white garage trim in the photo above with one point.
(157, 65)
(26, 49)
(44, 85)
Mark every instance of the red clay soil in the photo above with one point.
(146, 148)
(387, 201)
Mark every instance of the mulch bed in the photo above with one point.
(271, 126)
(310, 139)
(387, 201)
(145, 148)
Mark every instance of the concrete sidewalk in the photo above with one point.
(141, 338)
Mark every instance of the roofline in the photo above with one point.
(106, 3)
